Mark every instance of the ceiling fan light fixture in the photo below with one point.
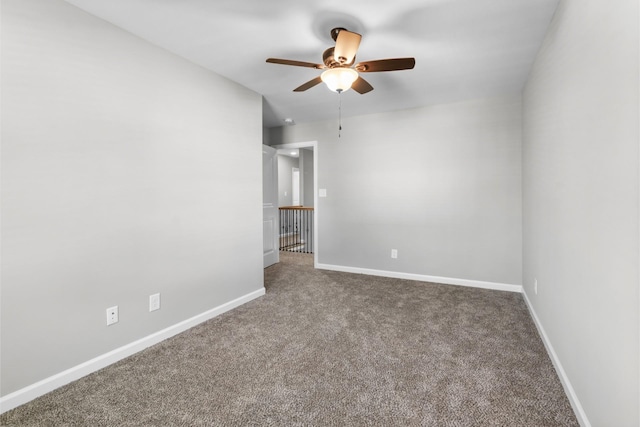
(339, 79)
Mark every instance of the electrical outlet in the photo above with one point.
(154, 302)
(535, 286)
(394, 253)
(112, 315)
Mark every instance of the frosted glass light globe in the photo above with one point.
(339, 79)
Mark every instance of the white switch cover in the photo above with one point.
(394, 253)
(154, 302)
(323, 192)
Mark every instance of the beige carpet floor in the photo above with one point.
(330, 349)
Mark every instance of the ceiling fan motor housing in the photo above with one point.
(329, 59)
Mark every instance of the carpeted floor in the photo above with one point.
(330, 349)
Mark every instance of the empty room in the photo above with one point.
(408, 213)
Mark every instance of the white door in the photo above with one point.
(270, 206)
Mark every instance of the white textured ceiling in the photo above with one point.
(464, 49)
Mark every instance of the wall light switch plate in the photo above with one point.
(322, 192)
(154, 302)
(394, 253)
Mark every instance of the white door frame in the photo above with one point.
(270, 214)
(314, 145)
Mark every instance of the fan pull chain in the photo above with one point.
(339, 113)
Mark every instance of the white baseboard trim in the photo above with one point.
(40, 388)
(564, 379)
(423, 278)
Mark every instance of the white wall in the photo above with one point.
(115, 185)
(441, 184)
(580, 175)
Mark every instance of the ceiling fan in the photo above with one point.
(338, 62)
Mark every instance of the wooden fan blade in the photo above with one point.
(347, 44)
(308, 85)
(361, 86)
(386, 65)
(295, 63)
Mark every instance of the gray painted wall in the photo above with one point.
(441, 184)
(115, 185)
(285, 176)
(580, 175)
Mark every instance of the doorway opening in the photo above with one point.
(297, 191)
